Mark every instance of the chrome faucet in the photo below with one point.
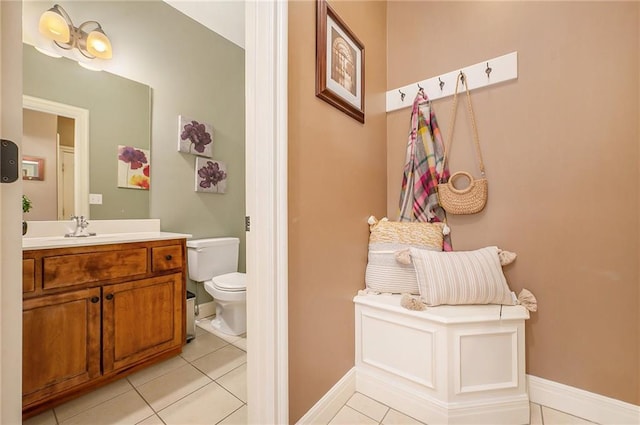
(81, 228)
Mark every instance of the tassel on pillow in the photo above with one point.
(527, 300)
(403, 256)
(412, 303)
(506, 257)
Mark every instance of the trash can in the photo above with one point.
(191, 316)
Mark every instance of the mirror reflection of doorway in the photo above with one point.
(51, 137)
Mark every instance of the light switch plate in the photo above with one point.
(95, 198)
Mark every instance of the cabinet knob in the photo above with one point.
(168, 257)
(109, 297)
(95, 299)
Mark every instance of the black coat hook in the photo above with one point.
(461, 76)
(420, 89)
(441, 83)
(402, 95)
(488, 70)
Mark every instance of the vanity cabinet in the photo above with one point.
(94, 314)
(140, 319)
(61, 343)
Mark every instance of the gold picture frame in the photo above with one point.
(339, 63)
(32, 168)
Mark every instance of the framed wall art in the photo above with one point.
(195, 136)
(32, 168)
(133, 168)
(339, 63)
(211, 176)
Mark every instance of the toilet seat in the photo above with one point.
(230, 282)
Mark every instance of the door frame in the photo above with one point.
(60, 163)
(81, 144)
(266, 25)
(267, 268)
(10, 218)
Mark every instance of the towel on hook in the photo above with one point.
(423, 168)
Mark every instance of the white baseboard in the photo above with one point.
(206, 309)
(326, 408)
(574, 401)
(584, 404)
(508, 410)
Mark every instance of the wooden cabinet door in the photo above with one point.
(60, 343)
(141, 318)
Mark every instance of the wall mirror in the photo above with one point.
(32, 168)
(89, 115)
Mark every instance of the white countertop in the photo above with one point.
(50, 234)
(104, 239)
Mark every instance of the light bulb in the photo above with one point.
(53, 25)
(98, 44)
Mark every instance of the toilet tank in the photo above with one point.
(207, 258)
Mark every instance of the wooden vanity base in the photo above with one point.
(94, 314)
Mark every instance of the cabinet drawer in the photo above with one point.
(28, 275)
(166, 258)
(67, 270)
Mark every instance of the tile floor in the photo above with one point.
(362, 410)
(206, 384)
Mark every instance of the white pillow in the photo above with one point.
(384, 273)
(461, 277)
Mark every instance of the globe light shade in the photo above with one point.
(54, 26)
(98, 44)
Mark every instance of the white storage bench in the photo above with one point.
(443, 365)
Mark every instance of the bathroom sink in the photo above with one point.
(62, 241)
(100, 239)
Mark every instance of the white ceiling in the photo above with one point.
(225, 17)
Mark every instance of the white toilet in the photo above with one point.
(215, 263)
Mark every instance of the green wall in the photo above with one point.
(192, 71)
(119, 114)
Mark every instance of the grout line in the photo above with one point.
(206, 354)
(363, 413)
(181, 398)
(336, 414)
(359, 411)
(99, 404)
(243, 404)
(225, 388)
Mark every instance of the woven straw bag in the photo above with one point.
(472, 198)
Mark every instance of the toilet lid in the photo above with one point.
(231, 281)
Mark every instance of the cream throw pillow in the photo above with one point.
(461, 277)
(384, 273)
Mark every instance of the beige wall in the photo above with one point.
(337, 177)
(561, 151)
(39, 140)
(66, 128)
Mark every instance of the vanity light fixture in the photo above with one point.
(88, 38)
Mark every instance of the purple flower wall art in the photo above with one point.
(195, 137)
(211, 176)
(133, 168)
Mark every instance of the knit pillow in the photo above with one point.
(461, 277)
(384, 273)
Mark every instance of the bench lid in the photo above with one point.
(446, 313)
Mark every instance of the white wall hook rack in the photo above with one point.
(482, 74)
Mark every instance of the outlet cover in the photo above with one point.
(95, 198)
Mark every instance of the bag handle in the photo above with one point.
(476, 139)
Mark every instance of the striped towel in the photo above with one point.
(423, 168)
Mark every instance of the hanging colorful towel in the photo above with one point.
(423, 168)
